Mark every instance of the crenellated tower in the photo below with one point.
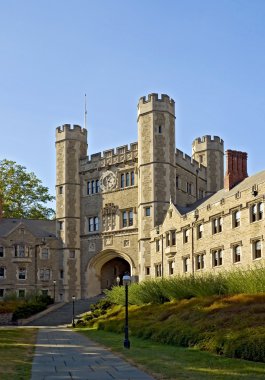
(156, 166)
(71, 146)
(209, 152)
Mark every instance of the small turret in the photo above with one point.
(209, 152)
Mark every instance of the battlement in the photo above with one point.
(208, 139)
(71, 132)
(115, 156)
(155, 103)
(187, 162)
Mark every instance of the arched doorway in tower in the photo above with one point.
(111, 270)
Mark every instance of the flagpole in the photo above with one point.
(85, 113)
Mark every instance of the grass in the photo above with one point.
(232, 326)
(16, 353)
(169, 362)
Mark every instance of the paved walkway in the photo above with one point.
(62, 354)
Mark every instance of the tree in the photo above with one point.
(22, 194)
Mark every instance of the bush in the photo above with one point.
(28, 309)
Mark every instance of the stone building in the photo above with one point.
(147, 208)
(152, 210)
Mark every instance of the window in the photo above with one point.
(201, 193)
(44, 253)
(158, 270)
(71, 254)
(177, 182)
(93, 224)
(199, 261)
(185, 235)
(2, 293)
(21, 293)
(256, 246)
(22, 273)
(217, 224)
(200, 158)
(171, 267)
(217, 257)
(45, 274)
(147, 211)
(159, 129)
(60, 189)
(127, 179)
(236, 253)
(189, 188)
(61, 274)
(61, 225)
(147, 271)
(2, 272)
(185, 264)
(93, 187)
(127, 218)
(236, 219)
(122, 181)
(157, 245)
(1, 251)
(256, 212)
(173, 237)
(167, 239)
(199, 231)
(21, 250)
(44, 292)
(132, 178)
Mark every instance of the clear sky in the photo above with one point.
(208, 55)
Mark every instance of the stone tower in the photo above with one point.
(210, 153)
(71, 145)
(156, 167)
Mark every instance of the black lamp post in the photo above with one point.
(126, 282)
(73, 316)
(54, 284)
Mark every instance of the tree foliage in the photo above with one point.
(22, 193)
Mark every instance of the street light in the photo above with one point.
(118, 280)
(73, 316)
(126, 282)
(54, 284)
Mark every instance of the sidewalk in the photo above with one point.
(62, 354)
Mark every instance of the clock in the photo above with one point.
(108, 181)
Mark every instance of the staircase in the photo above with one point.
(64, 314)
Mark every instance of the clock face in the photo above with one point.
(108, 181)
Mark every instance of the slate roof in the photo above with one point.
(39, 228)
(247, 183)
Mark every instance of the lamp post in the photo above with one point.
(54, 284)
(126, 282)
(118, 280)
(73, 316)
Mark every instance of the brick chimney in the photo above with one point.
(236, 168)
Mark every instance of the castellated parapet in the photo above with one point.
(154, 103)
(207, 142)
(116, 156)
(71, 132)
(187, 162)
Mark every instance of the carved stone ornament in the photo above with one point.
(108, 181)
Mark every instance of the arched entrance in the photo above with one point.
(111, 270)
(103, 269)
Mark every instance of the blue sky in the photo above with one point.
(209, 56)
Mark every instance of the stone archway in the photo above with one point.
(111, 270)
(101, 269)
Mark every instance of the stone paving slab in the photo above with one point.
(62, 354)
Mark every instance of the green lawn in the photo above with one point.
(16, 353)
(169, 362)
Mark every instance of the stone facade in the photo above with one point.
(148, 209)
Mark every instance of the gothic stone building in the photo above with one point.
(148, 209)
(152, 210)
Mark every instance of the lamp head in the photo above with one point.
(126, 279)
(73, 298)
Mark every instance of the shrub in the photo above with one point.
(28, 309)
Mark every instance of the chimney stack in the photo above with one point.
(236, 168)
